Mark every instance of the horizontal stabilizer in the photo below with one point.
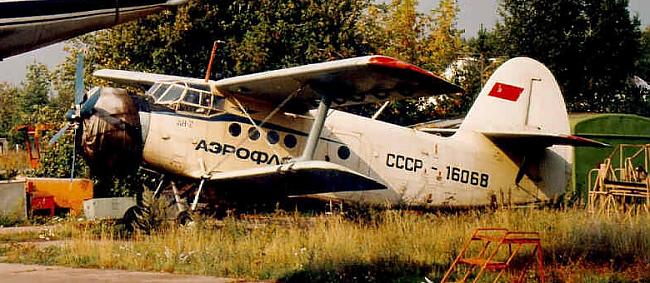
(541, 139)
(298, 178)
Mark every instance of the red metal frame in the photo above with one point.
(493, 241)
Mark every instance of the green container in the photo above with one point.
(613, 129)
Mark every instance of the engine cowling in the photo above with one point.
(112, 137)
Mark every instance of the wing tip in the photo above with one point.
(390, 62)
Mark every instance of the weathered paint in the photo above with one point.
(466, 169)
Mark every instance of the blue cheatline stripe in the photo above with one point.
(229, 117)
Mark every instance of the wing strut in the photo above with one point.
(316, 129)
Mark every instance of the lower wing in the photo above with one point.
(297, 178)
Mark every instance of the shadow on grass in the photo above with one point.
(385, 270)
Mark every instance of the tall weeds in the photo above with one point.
(394, 246)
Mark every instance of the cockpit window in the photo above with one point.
(158, 92)
(172, 94)
(194, 99)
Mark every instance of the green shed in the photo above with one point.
(613, 129)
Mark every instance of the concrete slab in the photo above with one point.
(13, 199)
(19, 273)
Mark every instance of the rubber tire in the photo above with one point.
(183, 217)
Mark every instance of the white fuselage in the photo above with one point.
(418, 168)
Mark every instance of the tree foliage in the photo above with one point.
(643, 63)
(259, 36)
(35, 89)
(590, 46)
(8, 111)
(429, 40)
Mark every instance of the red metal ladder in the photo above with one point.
(492, 256)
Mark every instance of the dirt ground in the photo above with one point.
(18, 273)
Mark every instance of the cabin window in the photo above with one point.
(253, 134)
(192, 96)
(234, 129)
(290, 141)
(272, 137)
(218, 102)
(343, 152)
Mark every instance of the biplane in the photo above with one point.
(281, 133)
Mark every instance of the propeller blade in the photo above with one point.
(78, 137)
(79, 80)
(59, 134)
(88, 106)
(74, 151)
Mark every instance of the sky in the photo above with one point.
(472, 14)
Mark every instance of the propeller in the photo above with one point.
(74, 116)
(80, 110)
(114, 133)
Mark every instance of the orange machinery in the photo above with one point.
(54, 193)
(33, 134)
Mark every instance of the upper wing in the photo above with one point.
(143, 79)
(297, 178)
(345, 82)
(29, 24)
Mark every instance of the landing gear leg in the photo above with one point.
(160, 185)
(198, 194)
(183, 216)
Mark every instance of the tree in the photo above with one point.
(430, 41)
(443, 43)
(483, 56)
(35, 89)
(643, 63)
(590, 46)
(259, 36)
(8, 111)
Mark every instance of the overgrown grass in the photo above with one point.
(395, 246)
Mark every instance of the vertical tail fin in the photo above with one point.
(521, 96)
(521, 109)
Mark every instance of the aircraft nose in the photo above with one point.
(112, 138)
